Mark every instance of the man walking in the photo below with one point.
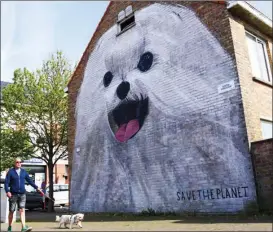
(16, 192)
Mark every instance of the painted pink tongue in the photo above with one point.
(127, 130)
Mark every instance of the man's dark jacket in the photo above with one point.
(15, 183)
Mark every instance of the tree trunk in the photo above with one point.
(50, 177)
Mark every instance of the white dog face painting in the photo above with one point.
(152, 129)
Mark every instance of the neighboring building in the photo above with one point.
(37, 168)
(164, 104)
(252, 42)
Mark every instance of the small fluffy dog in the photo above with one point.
(70, 220)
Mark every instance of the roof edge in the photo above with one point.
(91, 40)
(252, 10)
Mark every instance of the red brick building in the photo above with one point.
(243, 32)
(231, 25)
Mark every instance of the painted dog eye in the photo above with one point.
(107, 79)
(145, 62)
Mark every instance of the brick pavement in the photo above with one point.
(164, 225)
(42, 221)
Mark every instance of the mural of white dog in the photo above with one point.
(152, 125)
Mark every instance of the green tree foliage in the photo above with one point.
(13, 143)
(37, 102)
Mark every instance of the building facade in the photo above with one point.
(252, 42)
(163, 106)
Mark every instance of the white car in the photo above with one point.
(60, 194)
(2, 183)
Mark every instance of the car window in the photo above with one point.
(2, 181)
(56, 188)
(64, 187)
(30, 189)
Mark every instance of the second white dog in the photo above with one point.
(70, 220)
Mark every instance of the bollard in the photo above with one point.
(5, 208)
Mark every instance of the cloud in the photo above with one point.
(27, 35)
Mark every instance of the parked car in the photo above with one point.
(60, 194)
(34, 200)
(2, 182)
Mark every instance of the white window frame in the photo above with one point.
(128, 17)
(268, 121)
(257, 39)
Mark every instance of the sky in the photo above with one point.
(33, 30)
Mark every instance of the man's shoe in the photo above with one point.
(26, 229)
(9, 229)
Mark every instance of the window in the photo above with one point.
(63, 187)
(30, 189)
(127, 23)
(56, 188)
(258, 58)
(126, 20)
(266, 129)
(65, 175)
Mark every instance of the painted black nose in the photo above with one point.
(123, 89)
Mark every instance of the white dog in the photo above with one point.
(70, 220)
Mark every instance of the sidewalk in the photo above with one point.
(43, 221)
(164, 225)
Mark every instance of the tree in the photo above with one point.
(38, 103)
(13, 143)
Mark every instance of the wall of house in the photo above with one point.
(179, 142)
(209, 13)
(262, 153)
(61, 174)
(257, 96)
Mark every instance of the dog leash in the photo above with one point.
(45, 195)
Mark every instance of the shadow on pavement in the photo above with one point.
(42, 216)
(226, 219)
(57, 228)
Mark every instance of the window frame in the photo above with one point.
(129, 26)
(261, 123)
(63, 187)
(265, 50)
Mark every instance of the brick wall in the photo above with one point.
(262, 156)
(212, 14)
(59, 171)
(60, 174)
(257, 96)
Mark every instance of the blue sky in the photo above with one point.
(31, 31)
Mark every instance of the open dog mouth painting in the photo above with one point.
(153, 130)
